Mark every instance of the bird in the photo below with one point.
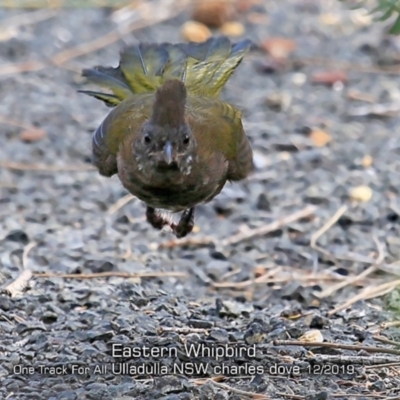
(169, 137)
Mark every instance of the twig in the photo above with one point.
(390, 324)
(25, 66)
(202, 381)
(251, 233)
(192, 242)
(381, 291)
(383, 365)
(357, 359)
(328, 225)
(111, 274)
(183, 331)
(259, 176)
(349, 66)
(368, 349)
(25, 254)
(273, 226)
(368, 293)
(392, 268)
(20, 284)
(252, 395)
(28, 18)
(290, 396)
(374, 396)
(47, 168)
(18, 124)
(382, 339)
(264, 279)
(120, 203)
(351, 280)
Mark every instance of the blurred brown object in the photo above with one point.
(214, 13)
(195, 31)
(361, 193)
(367, 161)
(232, 28)
(32, 135)
(279, 47)
(320, 138)
(246, 5)
(329, 77)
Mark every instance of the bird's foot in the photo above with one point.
(181, 229)
(155, 219)
(185, 224)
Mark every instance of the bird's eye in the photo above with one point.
(147, 139)
(186, 139)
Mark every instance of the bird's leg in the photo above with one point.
(185, 224)
(154, 219)
(181, 229)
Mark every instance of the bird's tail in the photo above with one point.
(203, 67)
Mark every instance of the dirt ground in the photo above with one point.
(304, 250)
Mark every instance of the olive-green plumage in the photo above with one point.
(169, 138)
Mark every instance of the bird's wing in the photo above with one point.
(123, 120)
(242, 164)
(218, 127)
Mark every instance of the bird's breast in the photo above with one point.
(173, 190)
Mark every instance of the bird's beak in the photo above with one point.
(168, 152)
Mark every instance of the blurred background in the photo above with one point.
(313, 231)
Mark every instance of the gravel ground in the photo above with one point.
(58, 216)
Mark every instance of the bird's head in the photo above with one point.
(166, 144)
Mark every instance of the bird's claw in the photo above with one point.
(181, 229)
(185, 224)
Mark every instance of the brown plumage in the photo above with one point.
(176, 144)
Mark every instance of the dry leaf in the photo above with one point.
(195, 31)
(213, 13)
(367, 161)
(329, 77)
(361, 193)
(354, 94)
(315, 303)
(196, 229)
(279, 47)
(260, 270)
(32, 135)
(313, 335)
(330, 19)
(232, 28)
(245, 5)
(320, 138)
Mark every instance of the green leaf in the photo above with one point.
(395, 29)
